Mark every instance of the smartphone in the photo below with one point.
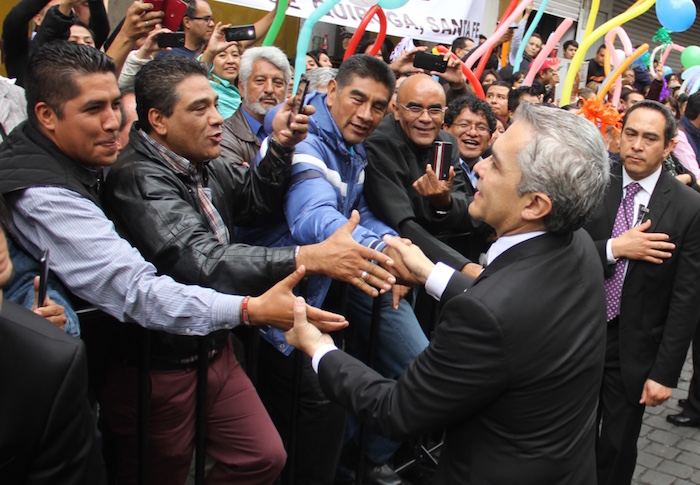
(240, 32)
(43, 276)
(174, 11)
(429, 62)
(157, 5)
(173, 39)
(443, 158)
(299, 98)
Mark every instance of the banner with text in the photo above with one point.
(431, 20)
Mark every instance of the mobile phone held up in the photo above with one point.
(443, 155)
(299, 98)
(43, 277)
(239, 33)
(429, 62)
(172, 39)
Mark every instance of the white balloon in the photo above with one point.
(620, 54)
(364, 3)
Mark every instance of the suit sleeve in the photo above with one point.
(460, 372)
(69, 453)
(683, 310)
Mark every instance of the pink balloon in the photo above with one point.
(548, 47)
(500, 30)
(610, 47)
(668, 51)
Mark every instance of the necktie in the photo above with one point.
(623, 222)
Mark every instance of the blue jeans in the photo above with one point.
(400, 340)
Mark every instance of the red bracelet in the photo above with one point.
(244, 310)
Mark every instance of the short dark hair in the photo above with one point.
(692, 109)
(53, 69)
(599, 48)
(669, 129)
(156, 85)
(475, 105)
(627, 92)
(570, 42)
(365, 66)
(499, 83)
(459, 43)
(191, 8)
(516, 95)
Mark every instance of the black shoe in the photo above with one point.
(682, 402)
(381, 475)
(683, 420)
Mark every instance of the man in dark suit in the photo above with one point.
(651, 259)
(512, 369)
(48, 435)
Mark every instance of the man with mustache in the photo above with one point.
(264, 74)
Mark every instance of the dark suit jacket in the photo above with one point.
(512, 373)
(660, 304)
(47, 435)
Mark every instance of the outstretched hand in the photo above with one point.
(344, 259)
(275, 307)
(303, 335)
(411, 266)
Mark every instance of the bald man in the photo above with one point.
(401, 187)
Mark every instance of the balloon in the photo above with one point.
(276, 23)
(352, 46)
(391, 4)
(528, 34)
(364, 3)
(620, 54)
(305, 37)
(668, 51)
(688, 76)
(616, 55)
(485, 58)
(676, 15)
(471, 77)
(548, 47)
(591, 18)
(690, 56)
(633, 12)
(619, 70)
(667, 71)
(484, 50)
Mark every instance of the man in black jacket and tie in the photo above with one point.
(647, 233)
(513, 370)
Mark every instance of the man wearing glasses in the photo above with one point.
(401, 187)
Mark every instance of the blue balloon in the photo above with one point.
(676, 15)
(391, 4)
(667, 71)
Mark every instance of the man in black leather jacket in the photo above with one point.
(159, 194)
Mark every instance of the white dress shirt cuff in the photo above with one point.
(438, 279)
(320, 353)
(608, 252)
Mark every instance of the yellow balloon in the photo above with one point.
(633, 12)
(591, 18)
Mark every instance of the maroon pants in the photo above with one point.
(240, 435)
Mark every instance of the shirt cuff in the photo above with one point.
(438, 279)
(608, 252)
(320, 353)
(226, 311)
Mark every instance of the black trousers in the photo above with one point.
(619, 421)
(692, 409)
(320, 423)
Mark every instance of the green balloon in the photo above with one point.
(690, 56)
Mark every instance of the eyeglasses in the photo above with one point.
(207, 18)
(416, 111)
(480, 128)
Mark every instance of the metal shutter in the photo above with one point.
(561, 8)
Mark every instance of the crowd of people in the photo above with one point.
(305, 278)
